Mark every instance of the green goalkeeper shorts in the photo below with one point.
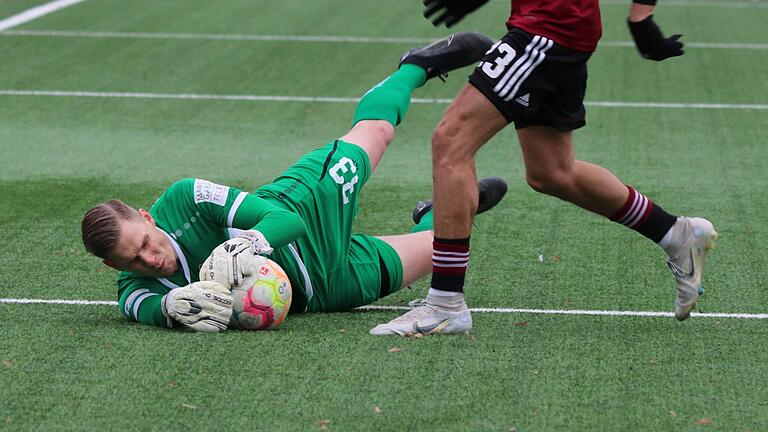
(345, 270)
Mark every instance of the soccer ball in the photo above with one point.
(261, 303)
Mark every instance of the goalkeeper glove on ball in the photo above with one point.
(233, 261)
(259, 244)
(203, 306)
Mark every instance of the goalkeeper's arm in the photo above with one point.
(276, 225)
(139, 299)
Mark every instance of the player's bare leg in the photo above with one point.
(385, 105)
(435, 59)
(415, 252)
(373, 136)
(468, 123)
(551, 168)
(415, 248)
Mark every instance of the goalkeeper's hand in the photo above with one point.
(233, 261)
(449, 11)
(203, 306)
(259, 243)
(651, 42)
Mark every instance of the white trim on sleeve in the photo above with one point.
(131, 298)
(235, 205)
(137, 303)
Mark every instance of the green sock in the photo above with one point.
(425, 224)
(389, 100)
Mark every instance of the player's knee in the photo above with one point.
(380, 130)
(447, 148)
(554, 183)
(371, 135)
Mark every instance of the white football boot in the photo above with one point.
(692, 238)
(428, 318)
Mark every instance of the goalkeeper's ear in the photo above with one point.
(147, 217)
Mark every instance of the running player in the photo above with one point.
(303, 220)
(535, 77)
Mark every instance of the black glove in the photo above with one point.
(449, 11)
(651, 42)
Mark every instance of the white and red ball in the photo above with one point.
(263, 303)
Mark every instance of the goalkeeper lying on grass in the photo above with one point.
(303, 220)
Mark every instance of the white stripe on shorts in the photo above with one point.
(518, 82)
(519, 71)
(517, 64)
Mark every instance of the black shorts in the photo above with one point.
(533, 81)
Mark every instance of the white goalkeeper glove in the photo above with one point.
(259, 243)
(229, 264)
(233, 261)
(203, 306)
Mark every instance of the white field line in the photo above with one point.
(60, 302)
(324, 99)
(36, 12)
(318, 38)
(478, 310)
(587, 312)
(707, 45)
(214, 36)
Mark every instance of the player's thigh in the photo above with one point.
(324, 187)
(335, 204)
(546, 151)
(373, 136)
(468, 123)
(372, 270)
(414, 251)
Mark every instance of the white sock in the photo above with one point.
(440, 293)
(448, 299)
(666, 241)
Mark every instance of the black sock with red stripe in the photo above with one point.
(449, 264)
(643, 216)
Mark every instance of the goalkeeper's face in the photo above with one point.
(143, 249)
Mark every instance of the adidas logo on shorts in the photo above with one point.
(524, 100)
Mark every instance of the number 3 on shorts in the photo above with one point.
(501, 62)
(347, 187)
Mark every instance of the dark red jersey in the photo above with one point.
(574, 24)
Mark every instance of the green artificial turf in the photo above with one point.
(84, 367)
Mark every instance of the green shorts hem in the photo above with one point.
(392, 262)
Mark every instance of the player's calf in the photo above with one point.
(490, 189)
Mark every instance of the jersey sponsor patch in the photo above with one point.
(206, 191)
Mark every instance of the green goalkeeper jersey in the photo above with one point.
(306, 214)
(197, 215)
